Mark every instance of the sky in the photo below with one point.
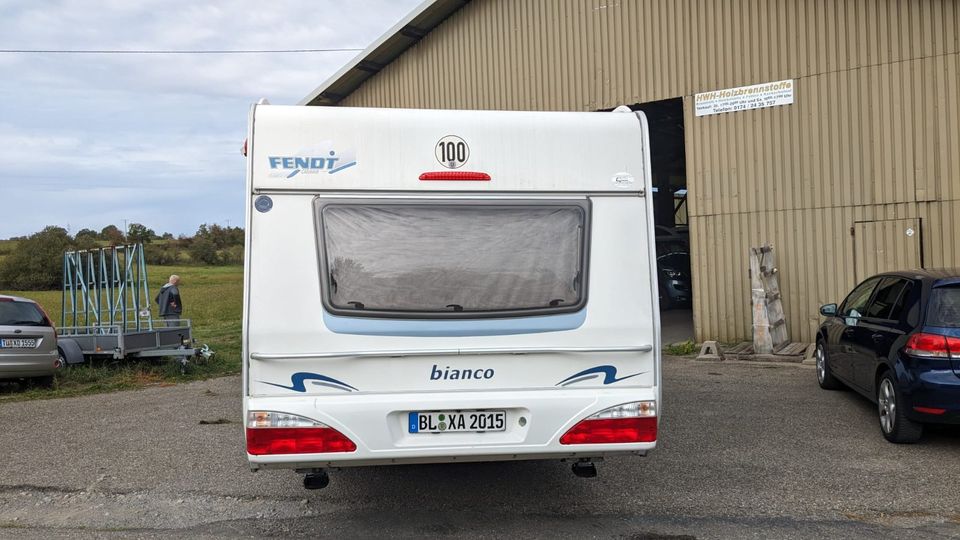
(91, 140)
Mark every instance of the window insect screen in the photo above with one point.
(452, 258)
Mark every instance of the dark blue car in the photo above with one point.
(896, 340)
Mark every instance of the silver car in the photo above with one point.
(28, 341)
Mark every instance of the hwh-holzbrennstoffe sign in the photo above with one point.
(744, 98)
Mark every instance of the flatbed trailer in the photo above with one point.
(107, 311)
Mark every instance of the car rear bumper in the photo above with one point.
(377, 424)
(932, 388)
(33, 364)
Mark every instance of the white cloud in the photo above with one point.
(86, 139)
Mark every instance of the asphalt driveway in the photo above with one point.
(747, 450)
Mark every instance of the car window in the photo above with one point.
(944, 308)
(884, 301)
(856, 302)
(905, 302)
(16, 313)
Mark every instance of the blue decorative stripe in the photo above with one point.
(366, 326)
(297, 380)
(609, 373)
(342, 167)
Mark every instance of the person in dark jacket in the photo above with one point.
(171, 306)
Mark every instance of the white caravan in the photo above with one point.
(426, 286)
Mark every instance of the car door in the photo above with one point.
(878, 330)
(840, 332)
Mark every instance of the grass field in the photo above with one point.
(212, 298)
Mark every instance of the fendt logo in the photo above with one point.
(316, 160)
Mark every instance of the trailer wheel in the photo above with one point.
(70, 353)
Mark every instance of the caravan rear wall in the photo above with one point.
(436, 286)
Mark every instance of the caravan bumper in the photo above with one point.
(379, 426)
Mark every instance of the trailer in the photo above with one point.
(107, 310)
(427, 286)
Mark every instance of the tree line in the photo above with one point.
(35, 262)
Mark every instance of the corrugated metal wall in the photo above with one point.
(874, 132)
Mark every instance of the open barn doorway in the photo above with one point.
(669, 165)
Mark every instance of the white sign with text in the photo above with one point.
(744, 98)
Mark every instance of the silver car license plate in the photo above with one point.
(18, 343)
(457, 421)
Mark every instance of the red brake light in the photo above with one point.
(932, 346)
(456, 176)
(49, 320)
(612, 430)
(297, 440)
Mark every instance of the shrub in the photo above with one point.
(37, 263)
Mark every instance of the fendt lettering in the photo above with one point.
(303, 163)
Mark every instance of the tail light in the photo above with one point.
(282, 433)
(932, 346)
(627, 423)
(49, 321)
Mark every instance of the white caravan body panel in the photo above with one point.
(353, 313)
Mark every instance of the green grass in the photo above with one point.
(212, 298)
(684, 348)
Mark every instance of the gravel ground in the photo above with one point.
(746, 451)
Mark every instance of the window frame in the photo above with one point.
(581, 203)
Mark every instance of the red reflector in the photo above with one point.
(317, 440)
(612, 430)
(929, 410)
(456, 176)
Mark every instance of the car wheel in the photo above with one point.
(894, 424)
(61, 360)
(824, 375)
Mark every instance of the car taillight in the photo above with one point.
(932, 346)
(49, 321)
(627, 423)
(282, 433)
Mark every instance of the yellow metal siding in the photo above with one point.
(874, 133)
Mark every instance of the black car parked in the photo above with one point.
(896, 340)
(674, 279)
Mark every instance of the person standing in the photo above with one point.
(171, 306)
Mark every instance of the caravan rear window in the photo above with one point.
(462, 259)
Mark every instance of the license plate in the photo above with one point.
(18, 343)
(457, 421)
